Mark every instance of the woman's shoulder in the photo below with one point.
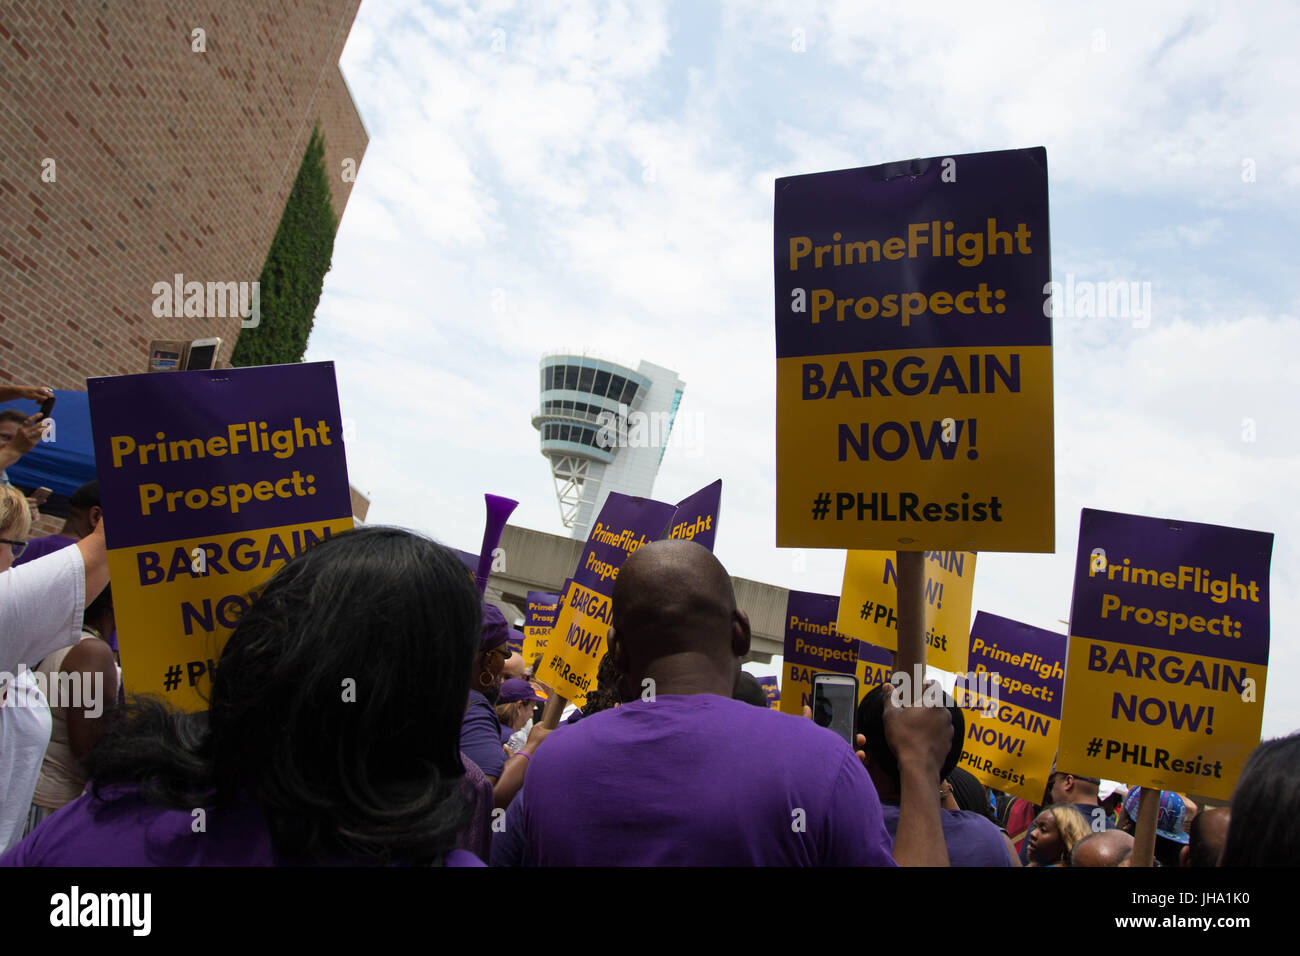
(118, 827)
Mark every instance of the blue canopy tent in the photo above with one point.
(66, 462)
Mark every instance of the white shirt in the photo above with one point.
(41, 607)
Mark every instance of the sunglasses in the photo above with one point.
(18, 546)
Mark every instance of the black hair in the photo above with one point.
(970, 793)
(611, 687)
(1264, 829)
(336, 707)
(100, 606)
(871, 724)
(749, 690)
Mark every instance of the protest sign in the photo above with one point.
(812, 645)
(868, 603)
(584, 618)
(1011, 697)
(210, 481)
(1169, 639)
(914, 360)
(875, 665)
(696, 517)
(771, 690)
(540, 614)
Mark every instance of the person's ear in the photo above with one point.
(617, 652)
(95, 514)
(740, 633)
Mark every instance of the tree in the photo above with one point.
(294, 273)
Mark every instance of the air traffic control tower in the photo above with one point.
(604, 427)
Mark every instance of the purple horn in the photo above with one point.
(498, 512)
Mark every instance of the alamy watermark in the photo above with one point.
(208, 300)
(79, 691)
(1119, 299)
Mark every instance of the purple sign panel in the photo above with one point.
(771, 690)
(543, 609)
(1172, 585)
(203, 453)
(810, 636)
(696, 517)
(932, 235)
(1030, 663)
(625, 524)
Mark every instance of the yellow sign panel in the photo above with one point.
(1175, 721)
(868, 607)
(577, 643)
(178, 610)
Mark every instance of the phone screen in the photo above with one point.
(834, 705)
(201, 357)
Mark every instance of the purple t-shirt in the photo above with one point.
(39, 547)
(480, 735)
(127, 831)
(699, 780)
(972, 840)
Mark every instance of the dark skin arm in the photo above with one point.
(86, 724)
(919, 737)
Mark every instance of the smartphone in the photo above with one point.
(202, 354)
(835, 704)
(47, 406)
(42, 495)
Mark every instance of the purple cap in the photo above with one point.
(495, 629)
(516, 689)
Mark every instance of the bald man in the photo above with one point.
(513, 669)
(684, 775)
(1209, 835)
(1103, 848)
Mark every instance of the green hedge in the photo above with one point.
(291, 279)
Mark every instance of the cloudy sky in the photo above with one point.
(546, 176)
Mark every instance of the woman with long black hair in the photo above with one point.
(332, 736)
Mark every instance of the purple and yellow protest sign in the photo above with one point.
(869, 599)
(696, 517)
(914, 356)
(812, 645)
(585, 616)
(771, 691)
(540, 614)
(1169, 638)
(210, 482)
(1011, 697)
(875, 665)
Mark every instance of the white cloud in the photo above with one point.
(604, 179)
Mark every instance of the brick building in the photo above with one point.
(140, 139)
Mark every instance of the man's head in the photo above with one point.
(675, 620)
(83, 510)
(1209, 833)
(514, 667)
(10, 421)
(1104, 848)
(881, 762)
(749, 690)
(1069, 788)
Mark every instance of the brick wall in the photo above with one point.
(166, 161)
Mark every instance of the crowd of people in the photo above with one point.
(439, 755)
